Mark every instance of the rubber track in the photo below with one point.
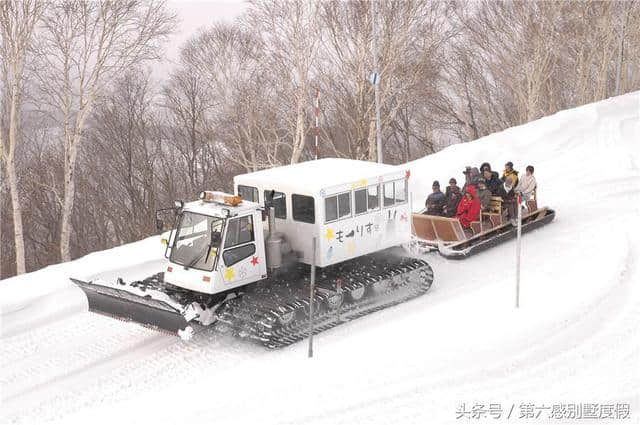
(258, 317)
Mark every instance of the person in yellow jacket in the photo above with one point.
(510, 172)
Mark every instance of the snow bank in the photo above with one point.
(574, 152)
(47, 295)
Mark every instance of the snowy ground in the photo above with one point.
(575, 339)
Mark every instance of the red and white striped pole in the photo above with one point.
(316, 112)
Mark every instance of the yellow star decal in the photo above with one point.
(329, 235)
(359, 184)
(229, 274)
(351, 248)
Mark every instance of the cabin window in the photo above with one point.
(395, 192)
(331, 208)
(400, 191)
(337, 206)
(235, 255)
(303, 208)
(279, 202)
(360, 197)
(239, 231)
(366, 199)
(373, 198)
(388, 196)
(249, 193)
(344, 205)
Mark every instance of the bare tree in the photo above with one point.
(18, 20)
(290, 35)
(122, 135)
(248, 122)
(412, 39)
(189, 104)
(85, 46)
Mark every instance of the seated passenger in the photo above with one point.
(435, 201)
(491, 179)
(484, 195)
(452, 183)
(527, 184)
(510, 172)
(508, 199)
(469, 208)
(471, 177)
(452, 199)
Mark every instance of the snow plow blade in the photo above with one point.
(124, 305)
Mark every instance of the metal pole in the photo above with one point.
(519, 234)
(339, 290)
(311, 293)
(376, 82)
(317, 113)
(1, 206)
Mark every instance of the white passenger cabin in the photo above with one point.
(352, 207)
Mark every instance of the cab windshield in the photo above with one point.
(197, 241)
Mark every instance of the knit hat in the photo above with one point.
(474, 174)
(436, 183)
(482, 181)
(509, 164)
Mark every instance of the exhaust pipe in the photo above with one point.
(274, 242)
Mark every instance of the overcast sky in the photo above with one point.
(197, 14)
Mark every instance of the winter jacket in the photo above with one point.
(526, 186)
(435, 203)
(469, 209)
(506, 195)
(493, 184)
(452, 199)
(513, 174)
(484, 195)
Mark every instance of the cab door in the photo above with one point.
(242, 259)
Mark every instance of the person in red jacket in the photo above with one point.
(469, 207)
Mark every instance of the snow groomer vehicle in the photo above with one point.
(242, 261)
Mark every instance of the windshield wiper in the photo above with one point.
(199, 256)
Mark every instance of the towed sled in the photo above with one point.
(447, 236)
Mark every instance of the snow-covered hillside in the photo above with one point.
(575, 339)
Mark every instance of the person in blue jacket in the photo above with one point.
(435, 201)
